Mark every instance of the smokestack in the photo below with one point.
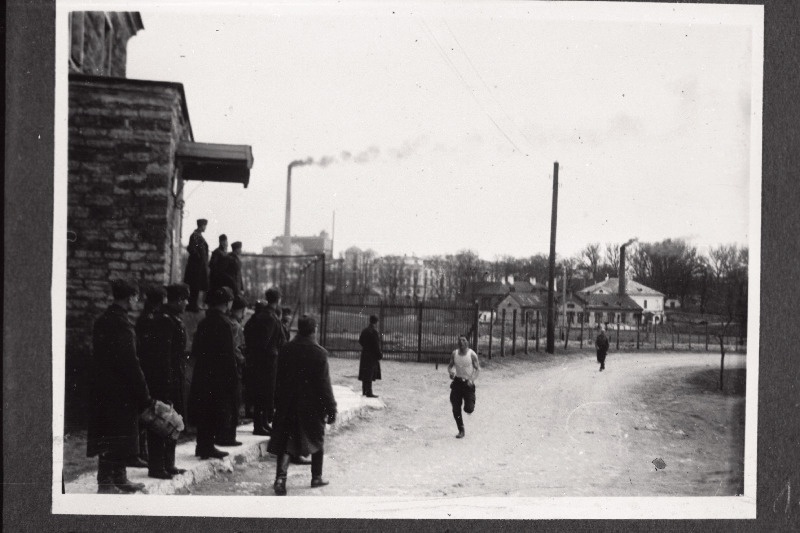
(623, 282)
(287, 225)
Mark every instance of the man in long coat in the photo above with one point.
(263, 336)
(219, 266)
(234, 269)
(162, 342)
(304, 401)
(601, 343)
(213, 391)
(196, 275)
(118, 392)
(369, 367)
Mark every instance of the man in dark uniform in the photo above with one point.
(601, 343)
(286, 322)
(264, 337)
(162, 345)
(369, 368)
(153, 301)
(227, 436)
(249, 386)
(234, 269)
(214, 380)
(303, 400)
(196, 275)
(117, 393)
(218, 266)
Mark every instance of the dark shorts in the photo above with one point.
(462, 391)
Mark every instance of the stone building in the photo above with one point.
(130, 149)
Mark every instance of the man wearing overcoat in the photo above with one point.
(304, 402)
(369, 368)
(162, 341)
(118, 392)
(264, 336)
(196, 275)
(234, 269)
(213, 391)
(219, 266)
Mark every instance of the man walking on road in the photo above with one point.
(601, 343)
(463, 369)
(304, 402)
(369, 367)
(117, 393)
(196, 275)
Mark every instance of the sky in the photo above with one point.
(434, 128)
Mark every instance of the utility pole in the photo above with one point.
(564, 300)
(551, 326)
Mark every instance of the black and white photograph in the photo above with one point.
(358, 259)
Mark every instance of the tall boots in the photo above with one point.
(261, 425)
(169, 458)
(366, 389)
(282, 470)
(112, 477)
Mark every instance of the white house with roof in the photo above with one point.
(650, 300)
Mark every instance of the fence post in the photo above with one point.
(514, 332)
(537, 330)
(706, 335)
(322, 291)
(655, 336)
(475, 325)
(566, 337)
(491, 331)
(503, 335)
(618, 332)
(638, 322)
(672, 331)
(419, 332)
(526, 332)
(582, 319)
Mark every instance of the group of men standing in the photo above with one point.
(204, 274)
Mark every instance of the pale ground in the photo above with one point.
(543, 426)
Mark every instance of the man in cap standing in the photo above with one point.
(264, 337)
(304, 401)
(369, 367)
(214, 378)
(196, 275)
(234, 269)
(218, 266)
(162, 342)
(118, 392)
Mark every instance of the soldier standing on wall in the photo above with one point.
(218, 266)
(196, 275)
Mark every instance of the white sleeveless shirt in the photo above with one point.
(463, 364)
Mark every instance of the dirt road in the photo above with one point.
(542, 427)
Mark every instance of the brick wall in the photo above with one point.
(122, 206)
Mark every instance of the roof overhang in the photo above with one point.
(225, 163)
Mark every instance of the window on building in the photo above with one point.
(76, 40)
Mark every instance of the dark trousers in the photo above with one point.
(461, 392)
(194, 298)
(601, 357)
(111, 469)
(206, 434)
(366, 387)
(282, 469)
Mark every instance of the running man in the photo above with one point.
(463, 369)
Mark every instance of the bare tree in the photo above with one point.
(590, 257)
(612, 256)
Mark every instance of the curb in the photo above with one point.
(350, 406)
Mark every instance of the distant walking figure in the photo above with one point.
(463, 369)
(369, 368)
(602, 348)
(196, 275)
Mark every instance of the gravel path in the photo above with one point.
(543, 426)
